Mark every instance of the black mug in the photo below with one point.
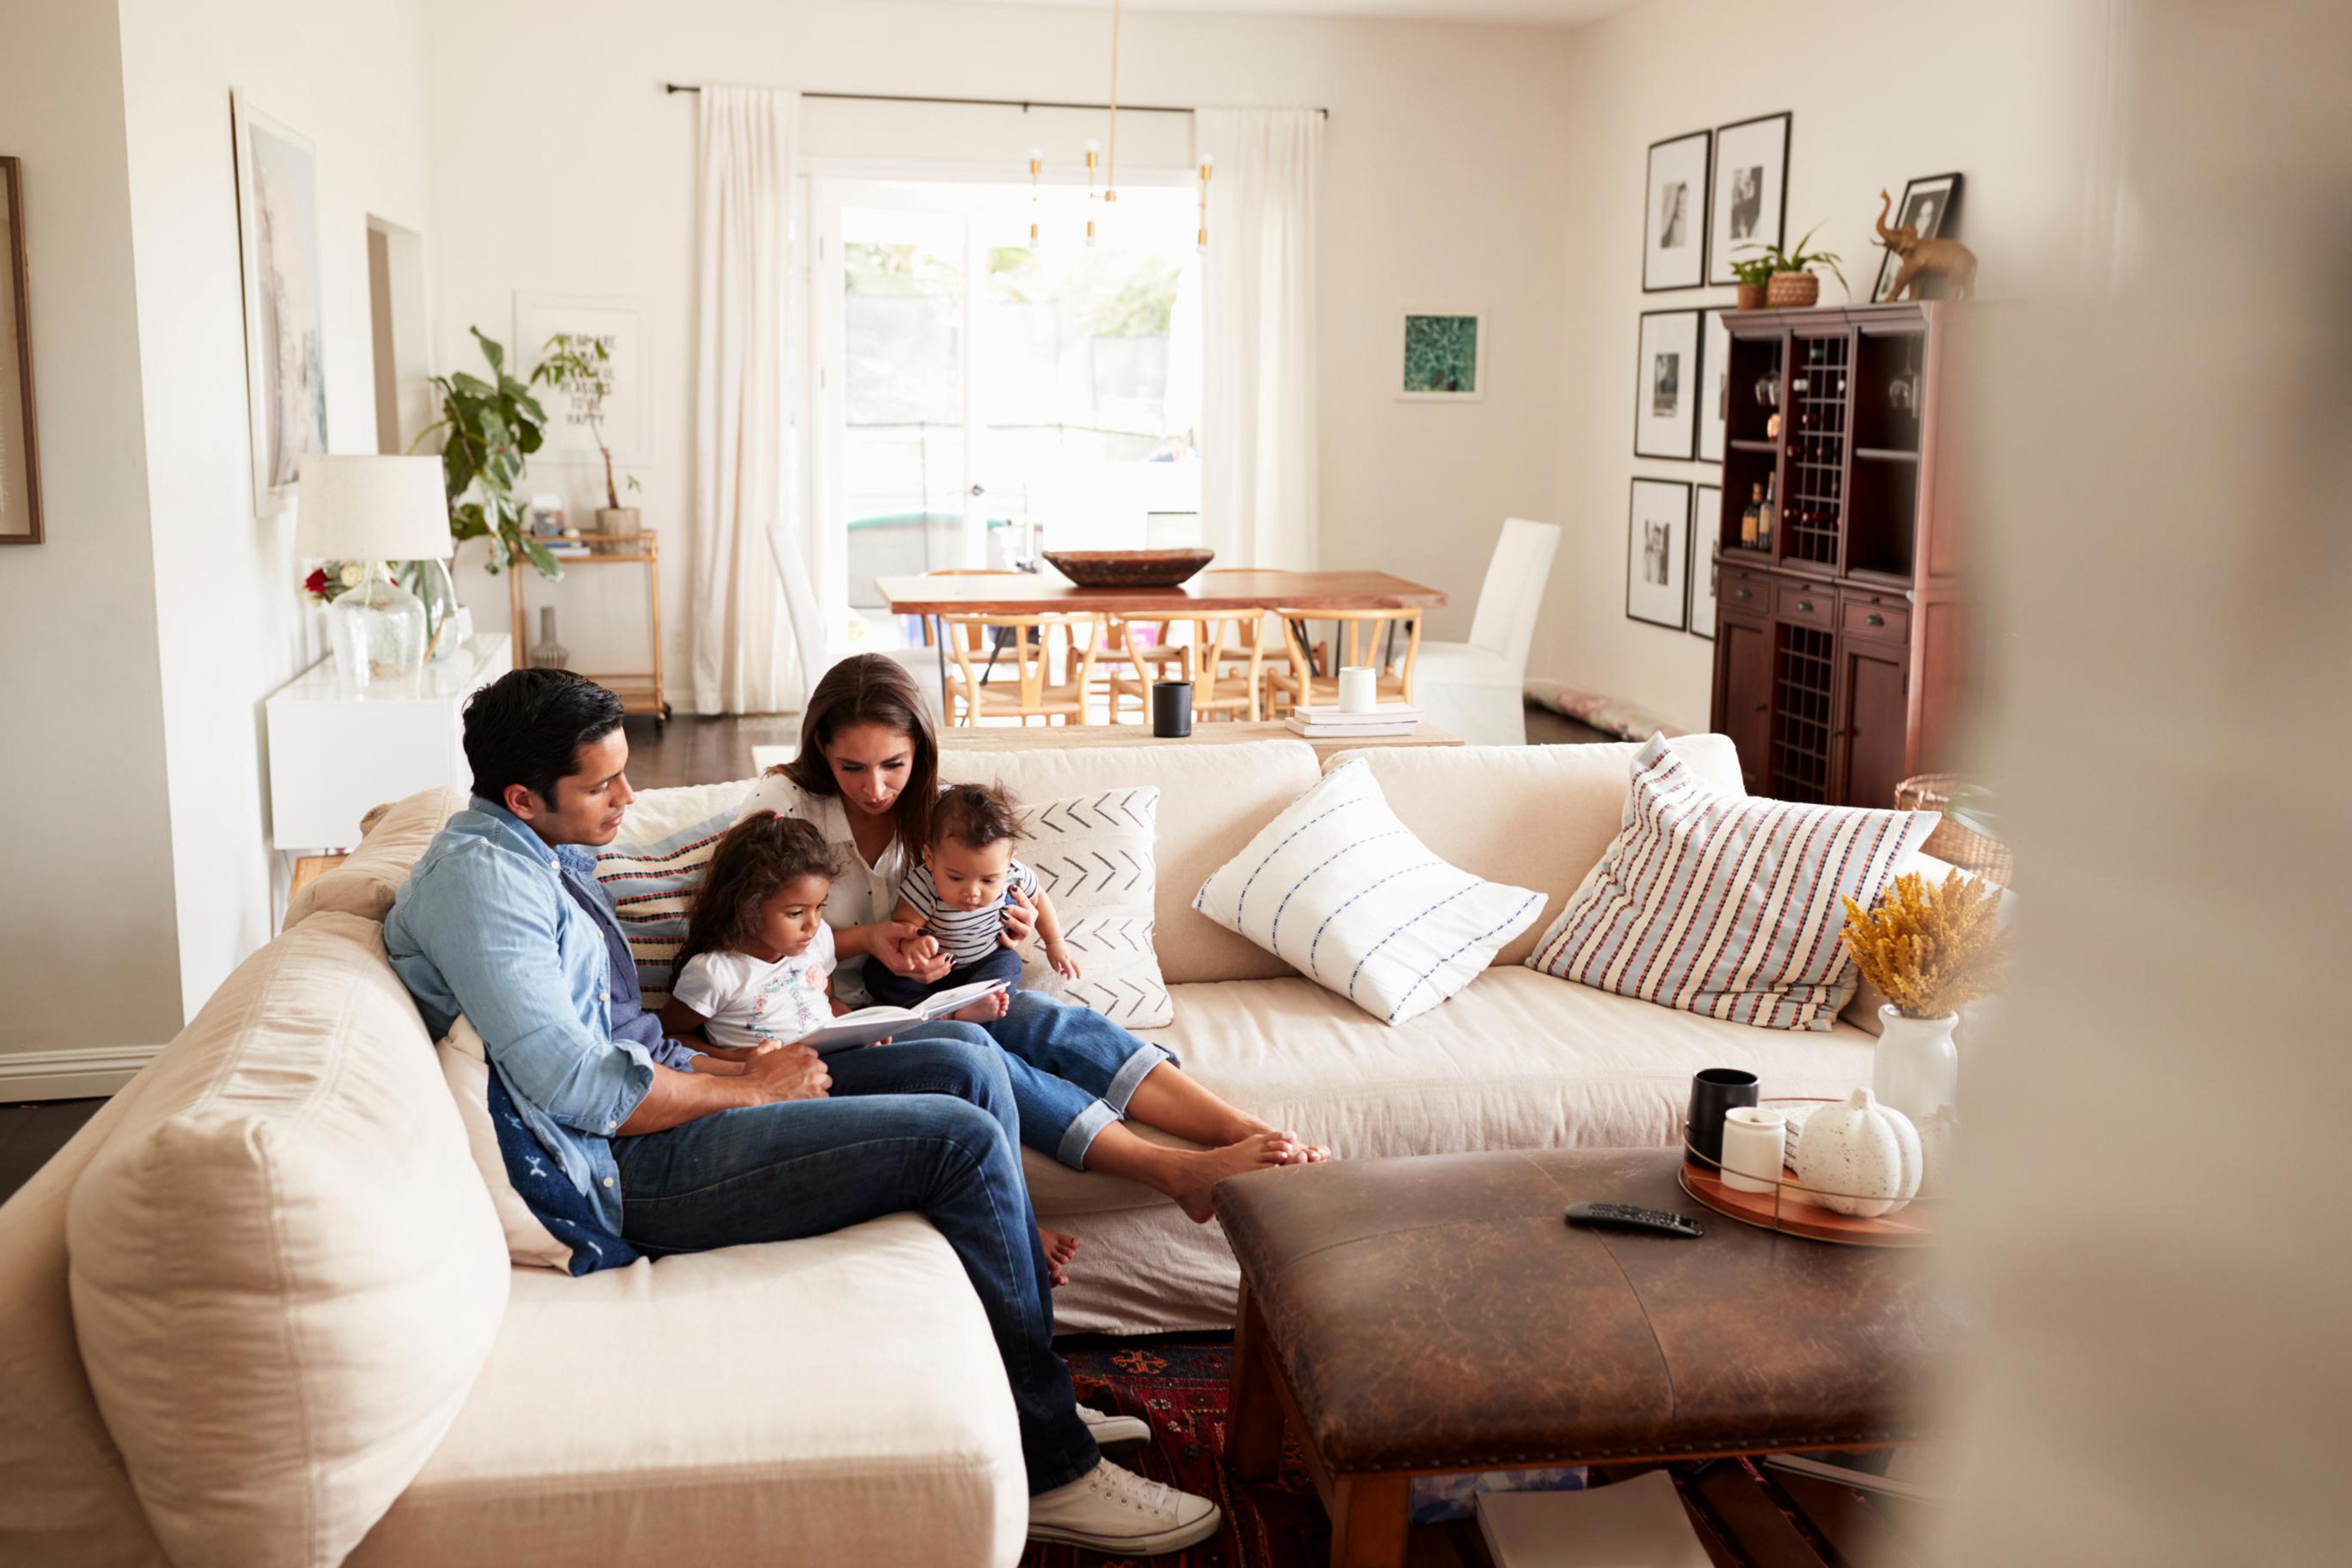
(1172, 709)
(1714, 1092)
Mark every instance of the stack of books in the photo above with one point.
(1332, 724)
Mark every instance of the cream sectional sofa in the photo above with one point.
(259, 1311)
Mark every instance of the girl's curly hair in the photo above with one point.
(759, 856)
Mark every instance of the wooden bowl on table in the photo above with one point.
(1128, 568)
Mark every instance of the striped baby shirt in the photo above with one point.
(965, 936)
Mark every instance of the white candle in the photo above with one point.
(1755, 1146)
(1359, 688)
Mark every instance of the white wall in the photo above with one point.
(1880, 93)
(89, 956)
(227, 613)
(560, 165)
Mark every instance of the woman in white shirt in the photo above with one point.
(867, 771)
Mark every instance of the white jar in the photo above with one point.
(1755, 1147)
(1916, 1068)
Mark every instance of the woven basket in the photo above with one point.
(1792, 290)
(1748, 296)
(1964, 847)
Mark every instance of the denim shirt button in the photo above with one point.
(611, 1126)
(608, 1181)
(604, 995)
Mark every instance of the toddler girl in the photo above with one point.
(752, 972)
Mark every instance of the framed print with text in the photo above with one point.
(1667, 387)
(1657, 553)
(1673, 224)
(1751, 189)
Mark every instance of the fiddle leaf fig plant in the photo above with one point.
(488, 429)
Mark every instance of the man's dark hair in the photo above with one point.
(975, 816)
(527, 728)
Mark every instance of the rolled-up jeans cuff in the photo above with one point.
(1080, 1134)
(1132, 1072)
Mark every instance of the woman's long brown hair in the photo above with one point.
(872, 689)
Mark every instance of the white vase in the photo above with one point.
(1918, 1068)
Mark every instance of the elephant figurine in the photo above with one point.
(1947, 260)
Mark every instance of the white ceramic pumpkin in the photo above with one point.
(1859, 1158)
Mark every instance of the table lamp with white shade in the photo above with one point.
(373, 510)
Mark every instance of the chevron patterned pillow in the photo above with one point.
(1093, 855)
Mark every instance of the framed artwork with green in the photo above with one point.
(1445, 356)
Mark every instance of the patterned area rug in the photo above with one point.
(1180, 1383)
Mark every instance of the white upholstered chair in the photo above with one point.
(1475, 689)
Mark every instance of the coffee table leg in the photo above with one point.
(1368, 1515)
(1254, 1432)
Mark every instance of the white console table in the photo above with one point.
(336, 750)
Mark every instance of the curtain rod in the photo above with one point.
(1022, 104)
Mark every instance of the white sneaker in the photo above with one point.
(1109, 1430)
(1111, 1509)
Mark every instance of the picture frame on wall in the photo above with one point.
(1674, 223)
(1930, 205)
(1657, 553)
(20, 448)
(1715, 388)
(1444, 357)
(625, 324)
(1707, 515)
(1666, 389)
(1751, 187)
(285, 332)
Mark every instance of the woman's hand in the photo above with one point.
(1020, 919)
(895, 942)
(794, 1072)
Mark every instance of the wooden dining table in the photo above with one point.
(933, 594)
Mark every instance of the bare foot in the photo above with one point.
(1197, 1171)
(1059, 1251)
(987, 1010)
(1301, 1154)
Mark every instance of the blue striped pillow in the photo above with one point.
(1340, 888)
(1727, 905)
(652, 885)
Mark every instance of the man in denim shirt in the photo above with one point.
(670, 1150)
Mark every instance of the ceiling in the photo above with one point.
(1547, 11)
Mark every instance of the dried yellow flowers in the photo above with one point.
(1932, 950)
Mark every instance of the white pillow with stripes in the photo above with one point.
(1727, 905)
(1343, 892)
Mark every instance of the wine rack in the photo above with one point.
(1812, 514)
(1801, 732)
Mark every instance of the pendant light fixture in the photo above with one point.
(1094, 157)
(1036, 167)
(1110, 177)
(1207, 164)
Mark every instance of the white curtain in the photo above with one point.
(745, 660)
(1257, 458)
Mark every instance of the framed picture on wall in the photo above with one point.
(1674, 227)
(1666, 386)
(1751, 187)
(1707, 515)
(20, 451)
(1931, 205)
(278, 226)
(1714, 391)
(1444, 357)
(624, 413)
(1657, 553)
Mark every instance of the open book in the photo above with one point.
(868, 1025)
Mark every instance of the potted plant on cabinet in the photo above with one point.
(1791, 282)
(1753, 274)
(579, 366)
(490, 428)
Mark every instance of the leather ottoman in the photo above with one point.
(1435, 1315)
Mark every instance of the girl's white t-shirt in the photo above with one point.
(862, 894)
(745, 1003)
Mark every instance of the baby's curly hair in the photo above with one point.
(759, 856)
(976, 815)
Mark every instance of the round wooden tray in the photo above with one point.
(1789, 1207)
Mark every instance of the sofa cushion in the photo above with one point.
(833, 1400)
(285, 1270)
(1727, 905)
(1337, 887)
(1540, 817)
(1093, 854)
(1211, 799)
(393, 838)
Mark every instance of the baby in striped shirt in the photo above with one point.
(959, 896)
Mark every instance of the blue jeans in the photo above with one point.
(1073, 1071)
(926, 1123)
(897, 990)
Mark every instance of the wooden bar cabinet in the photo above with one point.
(1840, 649)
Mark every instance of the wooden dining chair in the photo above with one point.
(1370, 638)
(1013, 677)
(1135, 652)
(1228, 662)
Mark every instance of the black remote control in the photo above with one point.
(1625, 1217)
